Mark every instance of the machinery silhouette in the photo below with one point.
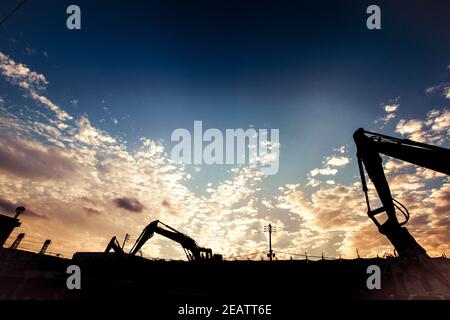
(416, 268)
(192, 250)
(114, 272)
(369, 146)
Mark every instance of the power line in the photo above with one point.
(12, 12)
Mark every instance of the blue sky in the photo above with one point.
(309, 68)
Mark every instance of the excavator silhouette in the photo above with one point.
(369, 147)
(417, 273)
(192, 250)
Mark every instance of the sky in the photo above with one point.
(86, 118)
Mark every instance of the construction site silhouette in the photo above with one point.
(114, 273)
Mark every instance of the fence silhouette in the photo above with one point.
(35, 246)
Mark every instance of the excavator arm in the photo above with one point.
(369, 147)
(190, 247)
(114, 246)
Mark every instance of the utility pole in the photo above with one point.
(45, 246)
(16, 242)
(270, 229)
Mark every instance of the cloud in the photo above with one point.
(10, 208)
(434, 129)
(20, 74)
(390, 110)
(130, 204)
(440, 201)
(33, 160)
(330, 168)
(91, 135)
(30, 81)
(74, 102)
(434, 88)
(7, 206)
(62, 115)
(91, 211)
(443, 88)
(323, 171)
(341, 149)
(30, 51)
(337, 161)
(447, 92)
(411, 128)
(324, 209)
(439, 121)
(313, 182)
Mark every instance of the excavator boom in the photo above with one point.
(190, 246)
(369, 147)
(424, 155)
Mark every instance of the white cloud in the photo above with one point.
(390, 110)
(20, 74)
(30, 81)
(434, 129)
(408, 127)
(337, 161)
(447, 92)
(313, 182)
(74, 102)
(323, 171)
(90, 135)
(388, 117)
(341, 149)
(391, 107)
(439, 121)
(443, 88)
(331, 163)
